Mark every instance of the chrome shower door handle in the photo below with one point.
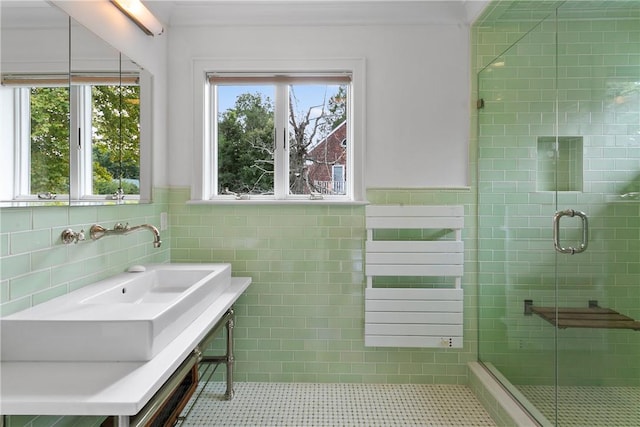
(556, 232)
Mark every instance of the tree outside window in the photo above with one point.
(115, 139)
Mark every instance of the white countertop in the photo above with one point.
(104, 388)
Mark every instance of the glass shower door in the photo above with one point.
(517, 199)
(598, 174)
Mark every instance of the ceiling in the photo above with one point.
(317, 12)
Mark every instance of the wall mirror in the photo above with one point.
(71, 113)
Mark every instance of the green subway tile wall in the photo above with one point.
(302, 319)
(36, 266)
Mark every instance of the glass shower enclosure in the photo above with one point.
(559, 213)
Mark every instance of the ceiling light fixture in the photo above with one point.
(138, 13)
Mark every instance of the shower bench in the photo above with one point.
(593, 316)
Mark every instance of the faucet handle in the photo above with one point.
(69, 236)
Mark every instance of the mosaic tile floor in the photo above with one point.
(271, 404)
(588, 406)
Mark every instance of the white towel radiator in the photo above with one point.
(414, 316)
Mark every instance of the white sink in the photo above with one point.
(159, 285)
(128, 317)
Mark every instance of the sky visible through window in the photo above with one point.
(308, 96)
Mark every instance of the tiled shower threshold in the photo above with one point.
(579, 406)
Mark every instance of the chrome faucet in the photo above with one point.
(97, 231)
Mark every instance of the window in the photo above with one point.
(271, 133)
(100, 159)
(43, 146)
(278, 135)
(115, 140)
(338, 178)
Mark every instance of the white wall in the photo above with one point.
(417, 91)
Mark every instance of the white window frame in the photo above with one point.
(204, 186)
(80, 156)
(22, 126)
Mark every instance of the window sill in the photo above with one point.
(253, 202)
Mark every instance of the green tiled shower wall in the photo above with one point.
(302, 319)
(597, 62)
